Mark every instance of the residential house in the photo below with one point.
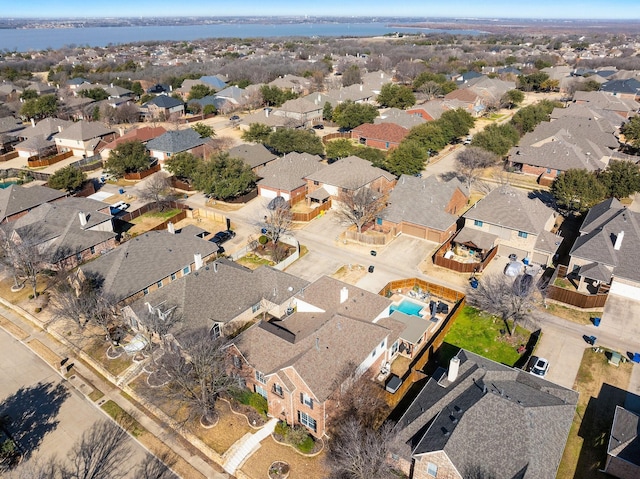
(431, 110)
(292, 83)
(348, 174)
(383, 136)
(84, 138)
(623, 449)
(298, 363)
(255, 156)
(265, 117)
(602, 254)
(68, 232)
(426, 208)
(623, 107)
(162, 107)
(471, 102)
(16, 200)
(303, 112)
(9, 92)
(41, 88)
(231, 97)
(77, 82)
(143, 134)
(484, 419)
(132, 270)
(628, 88)
(221, 298)
(515, 222)
(400, 117)
(10, 129)
(176, 141)
(286, 176)
(38, 140)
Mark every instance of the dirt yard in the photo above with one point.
(350, 273)
(602, 387)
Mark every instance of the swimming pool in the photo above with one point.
(407, 307)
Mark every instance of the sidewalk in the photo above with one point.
(25, 331)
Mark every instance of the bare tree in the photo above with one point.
(501, 296)
(101, 453)
(277, 221)
(360, 206)
(159, 321)
(25, 254)
(429, 90)
(471, 161)
(127, 113)
(358, 452)
(82, 299)
(158, 191)
(198, 373)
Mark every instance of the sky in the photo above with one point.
(578, 9)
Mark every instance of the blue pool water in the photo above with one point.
(6, 184)
(407, 307)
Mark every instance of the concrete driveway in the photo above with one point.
(564, 354)
(620, 319)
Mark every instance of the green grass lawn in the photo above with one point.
(253, 261)
(162, 214)
(480, 333)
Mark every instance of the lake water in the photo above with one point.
(41, 39)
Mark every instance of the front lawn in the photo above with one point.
(480, 333)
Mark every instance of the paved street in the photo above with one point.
(54, 414)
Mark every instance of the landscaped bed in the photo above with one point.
(602, 387)
(482, 334)
(300, 466)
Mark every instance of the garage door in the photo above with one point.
(624, 290)
(413, 230)
(504, 250)
(267, 193)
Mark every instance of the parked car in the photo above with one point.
(467, 140)
(222, 236)
(119, 207)
(540, 367)
(318, 127)
(234, 118)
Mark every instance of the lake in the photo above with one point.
(55, 38)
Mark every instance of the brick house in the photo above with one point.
(426, 208)
(301, 111)
(299, 362)
(255, 156)
(69, 232)
(84, 138)
(483, 419)
(383, 136)
(132, 270)
(172, 142)
(514, 222)
(162, 106)
(286, 176)
(16, 200)
(349, 174)
(623, 450)
(143, 134)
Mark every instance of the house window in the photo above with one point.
(316, 183)
(215, 331)
(394, 348)
(159, 284)
(79, 256)
(522, 234)
(260, 377)
(478, 223)
(373, 353)
(277, 389)
(255, 308)
(92, 250)
(173, 276)
(307, 420)
(236, 362)
(306, 400)
(386, 145)
(432, 469)
(378, 221)
(186, 270)
(548, 170)
(145, 291)
(260, 390)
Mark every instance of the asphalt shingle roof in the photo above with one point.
(175, 141)
(351, 172)
(385, 131)
(83, 131)
(288, 173)
(252, 155)
(15, 198)
(164, 101)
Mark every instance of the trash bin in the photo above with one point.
(121, 191)
(596, 321)
(371, 268)
(592, 340)
(373, 252)
(474, 283)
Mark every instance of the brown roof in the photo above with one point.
(464, 94)
(143, 134)
(382, 131)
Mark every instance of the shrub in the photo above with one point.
(259, 403)
(38, 310)
(263, 240)
(31, 296)
(282, 428)
(307, 445)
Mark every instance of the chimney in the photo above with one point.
(215, 266)
(83, 218)
(197, 259)
(33, 123)
(454, 366)
(171, 228)
(344, 294)
(360, 87)
(618, 243)
(59, 128)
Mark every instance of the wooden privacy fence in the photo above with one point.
(572, 297)
(457, 266)
(35, 162)
(378, 239)
(174, 219)
(440, 291)
(9, 156)
(179, 184)
(333, 136)
(312, 214)
(139, 175)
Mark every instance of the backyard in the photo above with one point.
(482, 334)
(150, 220)
(602, 387)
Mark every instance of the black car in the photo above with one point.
(234, 118)
(222, 236)
(318, 127)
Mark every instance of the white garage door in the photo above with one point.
(624, 290)
(266, 193)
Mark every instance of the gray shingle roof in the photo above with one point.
(220, 292)
(47, 127)
(164, 101)
(84, 130)
(521, 421)
(604, 223)
(422, 201)
(15, 198)
(175, 141)
(624, 441)
(252, 155)
(288, 173)
(511, 208)
(351, 172)
(146, 259)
